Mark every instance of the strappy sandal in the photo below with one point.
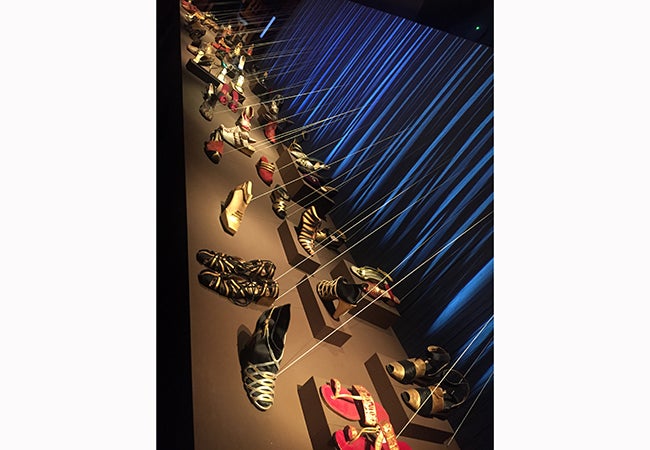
(280, 198)
(379, 437)
(368, 273)
(330, 239)
(239, 290)
(382, 291)
(347, 294)
(432, 401)
(421, 369)
(260, 358)
(265, 170)
(309, 223)
(355, 404)
(261, 269)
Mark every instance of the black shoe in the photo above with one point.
(260, 358)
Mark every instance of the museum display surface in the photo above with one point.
(338, 197)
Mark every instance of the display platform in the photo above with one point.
(424, 428)
(321, 323)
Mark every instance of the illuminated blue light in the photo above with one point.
(267, 27)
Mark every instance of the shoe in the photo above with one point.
(265, 170)
(236, 137)
(347, 294)
(308, 165)
(330, 239)
(421, 369)
(367, 273)
(255, 269)
(238, 289)
(382, 291)
(354, 404)
(235, 206)
(207, 108)
(312, 180)
(432, 401)
(309, 224)
(214, 147)
(379, 437)
(260, 358)
(269, 131)
(280, 198)
(222, 96)
(234, 103)
(245, 118)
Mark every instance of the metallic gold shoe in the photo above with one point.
(235, 206)
(240, 290)
(371, 273)
(432, 401)
(421, 369)
(347, 294)
(309, 224)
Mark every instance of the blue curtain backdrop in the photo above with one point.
(404, 114)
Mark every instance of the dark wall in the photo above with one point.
(404, 115)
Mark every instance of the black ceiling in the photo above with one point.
(469, 19)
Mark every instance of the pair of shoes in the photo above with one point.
(348, 294)
(265, 170)
(438, 391)
(261, 356)
(235, 206)
(357, 404)
(243, 282)
(280, 197)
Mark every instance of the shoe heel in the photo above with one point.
(341, 308)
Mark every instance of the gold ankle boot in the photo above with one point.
(235, 206)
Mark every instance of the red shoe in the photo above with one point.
(265, 170)
(269, 131)
(223, 94)
(234, 104)
(214, 150)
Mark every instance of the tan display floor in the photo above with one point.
(223, 415)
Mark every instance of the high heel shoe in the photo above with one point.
(260, 358)
(330, 239)
(384, 292)
(280, 198)
(235, 206)
(309, 224)
(367, 273)
(240, 290)
(347, 294)
(432, 401)
(214, 147)
(421, 369)
(255, 269)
